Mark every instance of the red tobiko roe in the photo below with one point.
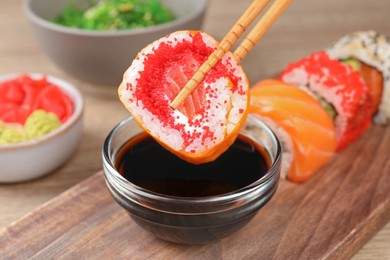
(340, 86)
(152, 79)
(23, 94)
(207, 122)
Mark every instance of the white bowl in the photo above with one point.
(34, 158)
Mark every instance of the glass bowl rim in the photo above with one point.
(110, 173)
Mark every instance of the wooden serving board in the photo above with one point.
(330, 216)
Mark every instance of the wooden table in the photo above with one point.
(306, 26)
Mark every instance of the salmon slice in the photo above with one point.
(177, 76)
(209, 120)
(307, 132)
(374, 78)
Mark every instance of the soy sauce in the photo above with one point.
(147, 164)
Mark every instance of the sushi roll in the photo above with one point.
(340, 90)
(307, 133)
(209, 119)
(368, 52)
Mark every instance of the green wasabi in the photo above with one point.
(109, 15)
(40, 123)
(11, 135)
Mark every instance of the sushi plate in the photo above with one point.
(331, 216)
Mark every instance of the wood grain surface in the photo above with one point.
(329, 217)
(305, 26)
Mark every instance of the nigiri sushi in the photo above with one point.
(209, 120)
(368, 52)
(341, 91)
(306, 131)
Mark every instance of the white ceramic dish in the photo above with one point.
(101, 57)
(34, 158)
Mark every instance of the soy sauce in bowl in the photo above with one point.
(145, 163)
(186, 203)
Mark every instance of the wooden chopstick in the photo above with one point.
(263, 25)
(230, 38)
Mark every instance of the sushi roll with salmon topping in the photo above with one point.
(340, 90)
(307, 133)
(368, 52)
(208, 121)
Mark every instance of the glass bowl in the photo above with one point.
(177, 215)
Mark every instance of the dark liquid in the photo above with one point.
(145, 163)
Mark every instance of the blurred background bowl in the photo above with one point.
(34, 158)
(101, 57)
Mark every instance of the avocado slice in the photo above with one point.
(353, 62)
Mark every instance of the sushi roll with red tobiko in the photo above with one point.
(208, 121)
(340, 90)
(368, 52)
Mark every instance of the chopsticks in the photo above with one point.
(260, 28)
(231, 37)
